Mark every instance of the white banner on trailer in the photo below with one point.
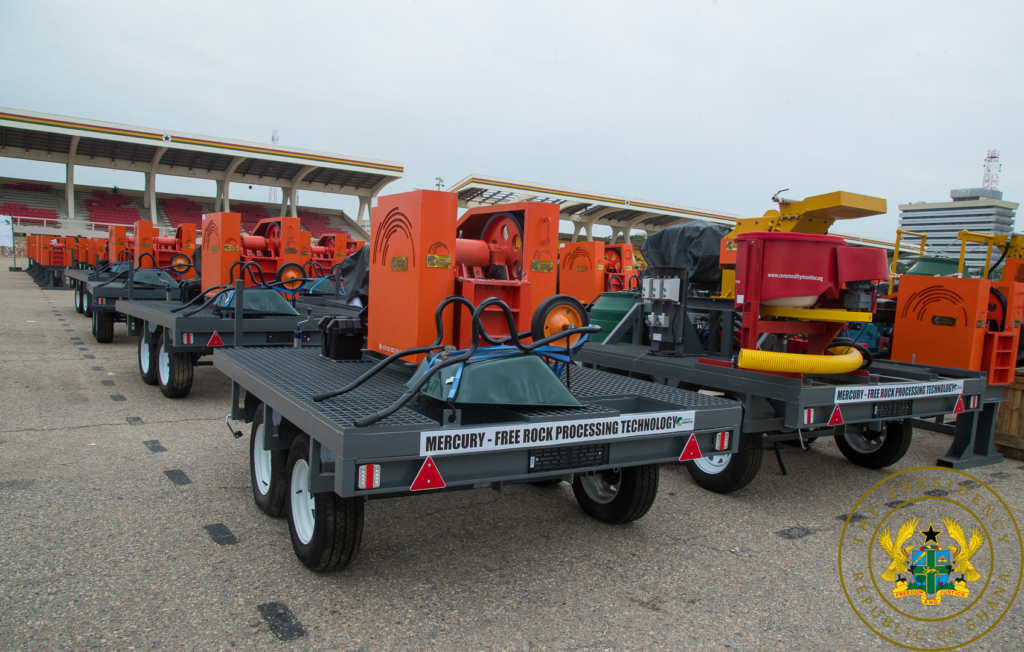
(6, 231)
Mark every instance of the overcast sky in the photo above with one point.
(712, 105)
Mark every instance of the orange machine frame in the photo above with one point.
(619, 264)
(332, 248)
(274, 243)
(411, 269)
(62, 252)
(421, 254)
(944, 321)
(582, 272)
(32, 247)
(164, 249)
(118, 242)
(525, 254)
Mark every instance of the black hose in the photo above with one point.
(864, 352)
(1002, 257)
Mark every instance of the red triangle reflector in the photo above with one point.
(837, 417)
(691, 451)
(428, 477)
(215, 340)
(959, 407)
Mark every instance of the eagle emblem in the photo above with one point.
(928, 570)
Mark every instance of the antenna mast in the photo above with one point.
(992, 169)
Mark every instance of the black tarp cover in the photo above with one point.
(355, 274)
(693, 246)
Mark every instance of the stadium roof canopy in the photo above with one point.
(76, 141)
(621, 214)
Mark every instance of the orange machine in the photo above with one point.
(62, 251)
(332, 248)
(278, 246)
(619, 266)
(422, 254)
(32, 247)
(166, 251)
(966, 323)
(590, 268)
(120, 246)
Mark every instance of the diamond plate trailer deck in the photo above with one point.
(778, 405)
(279, 385)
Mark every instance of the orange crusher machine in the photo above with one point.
(965, 323)
(329, 250)
(590, 268)
(153, 250)
(87, 251)
(52, 255)
(422, 254)
(120, 245)
(277, 250)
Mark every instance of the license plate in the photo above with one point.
(891, 409)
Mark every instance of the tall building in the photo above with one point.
(981, 210)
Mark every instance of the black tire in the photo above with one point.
(86, 304)
(724, 474)
(337, 523)
(636, 491)
(197, 261)
(549, 305)
(174, 374)
(79, 308)
(103, 326)
(147, 361)
(885, 450)
(269, 493)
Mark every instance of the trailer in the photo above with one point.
(756, 314)
(871, 416)
(174, 337)
(100, 297)
(311, 460)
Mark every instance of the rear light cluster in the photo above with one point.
(972, 402)
(808, 416)
(186, 338)
(721, 441)
(368, 476)
(99, 301)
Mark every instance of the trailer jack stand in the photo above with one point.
(778, 456)
(237, 434)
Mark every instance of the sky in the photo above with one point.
(712, 105)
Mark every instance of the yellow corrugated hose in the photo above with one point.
(801, 363)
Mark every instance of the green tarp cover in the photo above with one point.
(521, 379)
(155, 277)
(260, 300)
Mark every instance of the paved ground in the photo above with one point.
(100, 549)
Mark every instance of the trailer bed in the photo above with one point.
(285, 380)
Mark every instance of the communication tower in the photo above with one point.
(992, 169)
(274, 138)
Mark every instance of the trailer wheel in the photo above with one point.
(78, 298)
(556, 314)
(147, 361)
(174, 371)
(266, 470)
(874, 450)
(103, 326)
(726, 473)
(617, 496)
(86, 303)
(325, 528)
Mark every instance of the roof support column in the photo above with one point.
(364, 207)
(284, 202)
(149, 199)
(69, 181)
(226, 186)
(294, 188)
(216, 202)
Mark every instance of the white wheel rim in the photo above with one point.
(143, 356)
(261, 463)
(164, 365)
(599, 489)
(85, 300)
(713, 465)
(303, 506)
(78, 298)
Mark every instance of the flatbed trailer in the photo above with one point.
(100, 297)
(888, 397)
(174, 338)
(76, 280)
(49, 277)
(312, 456)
